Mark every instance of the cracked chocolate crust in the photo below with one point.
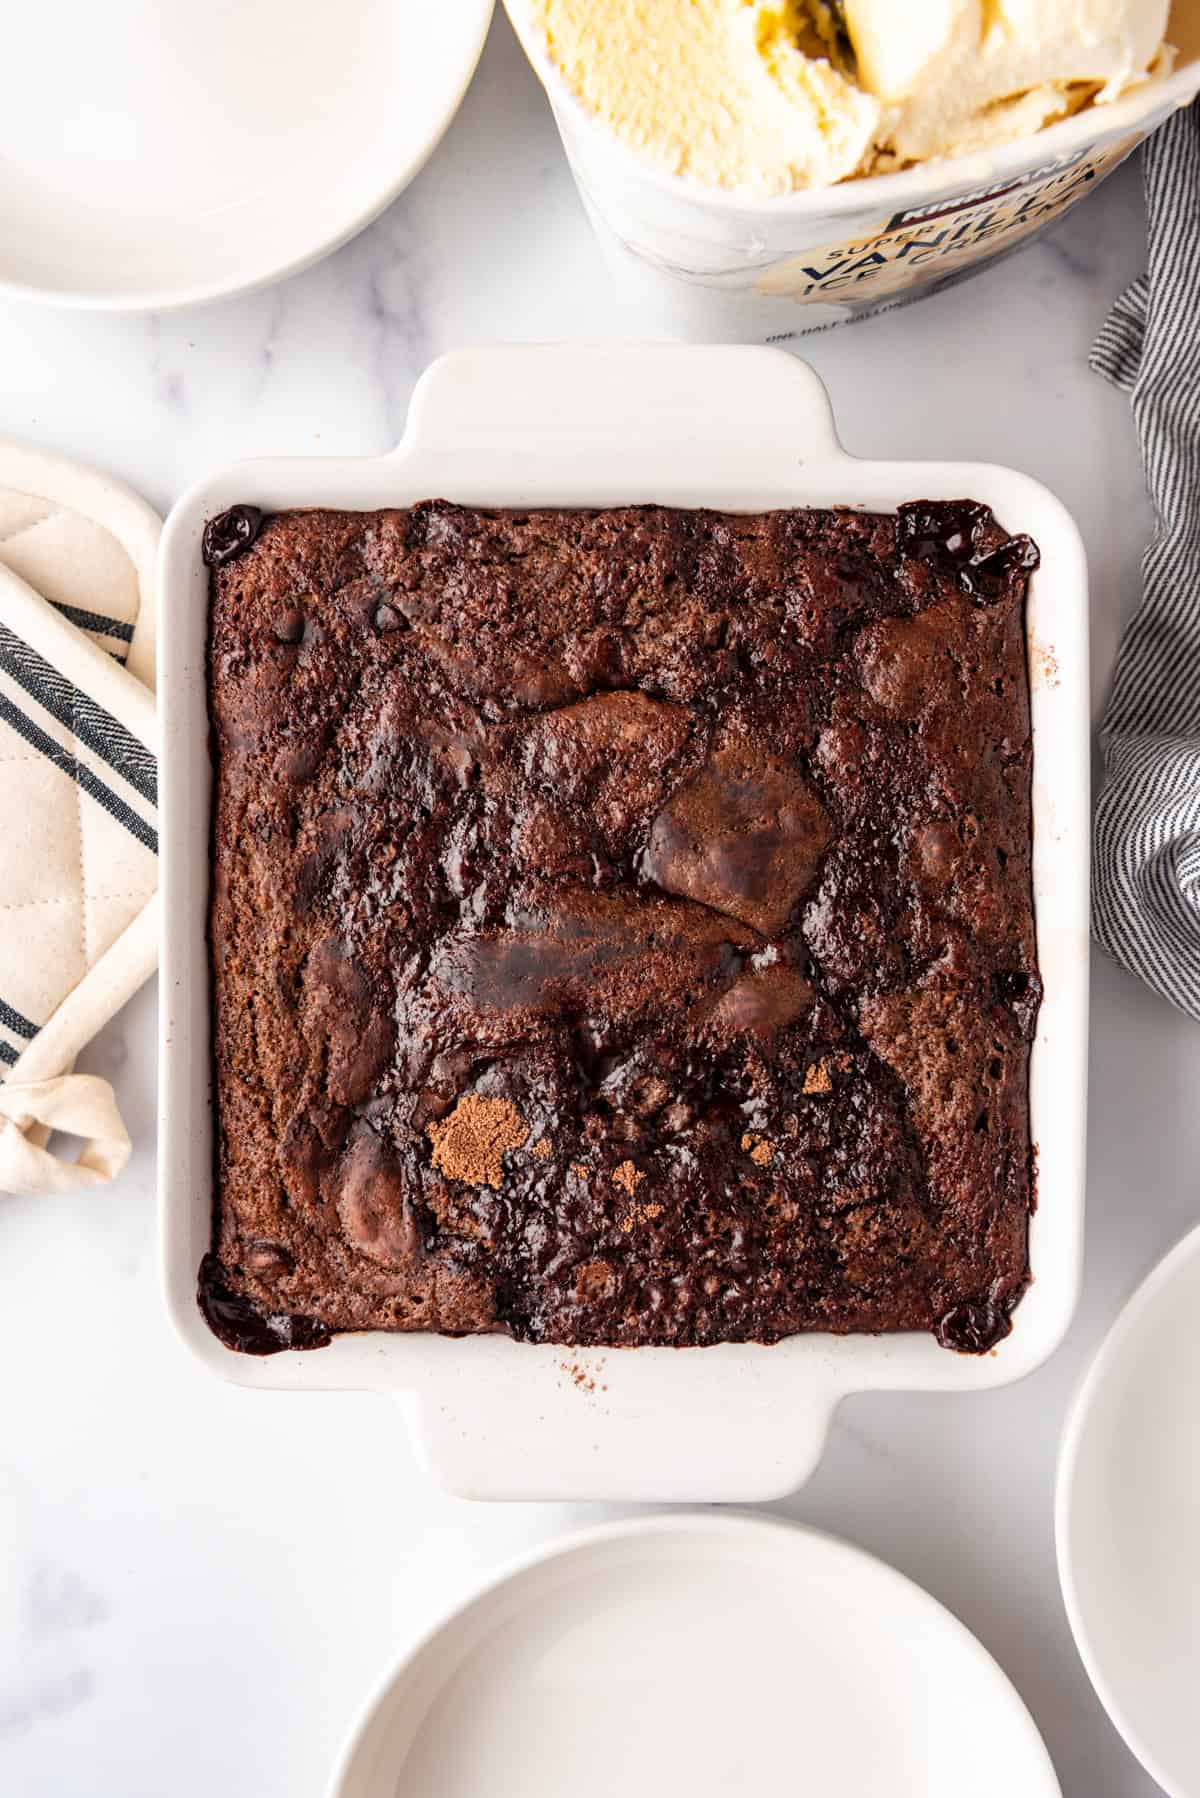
(621, 925)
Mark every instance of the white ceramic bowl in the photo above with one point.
(156, 153)
(1128, 1521)
(714, 265)
(743, 430)
(711, 1655)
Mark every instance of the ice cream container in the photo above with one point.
(740, 429)
(717, 265)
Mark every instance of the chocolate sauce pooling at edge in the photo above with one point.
(975, 1327)
(228, 534)
(955, 534)
(240, 1325)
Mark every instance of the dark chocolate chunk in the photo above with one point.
(1021, 991)
(386, 618)
(963, 536)
(987, 578)
(945, 531)
(229, 534)
(289, 625)
(974, 1327)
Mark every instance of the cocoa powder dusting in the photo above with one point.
(761, 1152)
(818, 1079)
(470, 1144)
(579, 1376)
(638, 1215)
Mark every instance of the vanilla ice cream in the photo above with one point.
(775, 95)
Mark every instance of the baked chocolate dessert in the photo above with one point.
(621, 923)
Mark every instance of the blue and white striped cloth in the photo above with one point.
(78, 806)
(1146, 860)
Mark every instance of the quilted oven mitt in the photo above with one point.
(78, 805)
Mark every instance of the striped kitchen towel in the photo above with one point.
(78, 806)
(1146, 862)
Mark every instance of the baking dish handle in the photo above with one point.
(740, 401)
(581, 1436)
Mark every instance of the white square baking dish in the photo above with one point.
(741, 429)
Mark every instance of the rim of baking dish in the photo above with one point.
(459, 446)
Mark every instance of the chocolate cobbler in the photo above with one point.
(621, 924)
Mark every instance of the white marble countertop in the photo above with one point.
(199, 1585)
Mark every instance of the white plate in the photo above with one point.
(698, 1654)
(159, 152)
(1128, 1521)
